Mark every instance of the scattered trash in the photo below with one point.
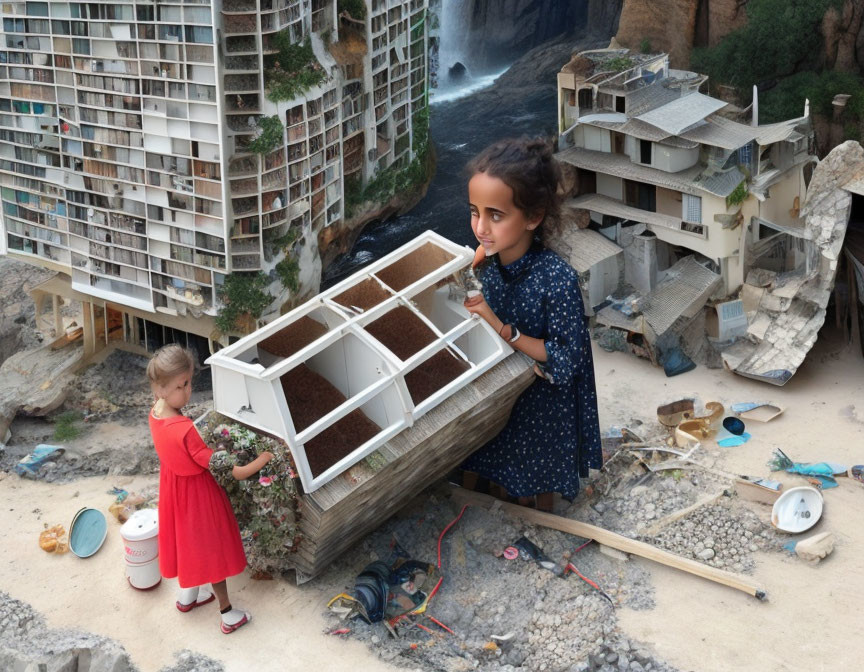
(815, 548)
(141, 546)
(529, 551)
(53, 539)
(759, 411)
(490, 646)
(675, 362)
(856, 473)
(504, 638)
(823, 472)
(733, 425)
(674, 413)
(797, 509)
(789, 546)
(572, 568)
(727, 439)
(758, 490)
(43, 453)
(87, 532)
(339, 631)
(511, 553)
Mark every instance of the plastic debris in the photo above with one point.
(54, 539)
(797, 510)
(760, 411)
(856, 473)
(824, 472)
(529, 551)
(43, 453)
(733, 425)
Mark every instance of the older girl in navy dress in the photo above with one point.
(531, 298)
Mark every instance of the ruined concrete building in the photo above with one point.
(682, 204)
(149, 149)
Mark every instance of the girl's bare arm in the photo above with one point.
(247, 470)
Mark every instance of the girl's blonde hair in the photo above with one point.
(168, 362)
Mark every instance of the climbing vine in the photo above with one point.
(270, 137)
(738, 195)
(243, 296)
(293, 70)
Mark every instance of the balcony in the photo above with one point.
(241, 62)
(238, 83)
(244, 186)
(241, 44)
(241, 24)
(247, 165)
(231, 6)
(242, 103)
(243, 124)
(246, 262)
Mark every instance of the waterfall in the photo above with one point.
(455, 39)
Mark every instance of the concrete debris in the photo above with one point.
(814, 548)
(791, 310)
(35, 382)
(27, 644)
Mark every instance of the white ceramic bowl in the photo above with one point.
(797, 509)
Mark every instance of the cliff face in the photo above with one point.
(676, 26)
(499, 31)
(844, 37)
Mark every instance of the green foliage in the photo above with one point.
(395, 178)
(780, 37)
(286, 240)
(242, 295)
(645, 46)
(738, 195)
(66, 426)
(786, 100)
(288, 271)
(852, 131)
(270, 137)
(356, 8)
(293, 70)
(617, 64)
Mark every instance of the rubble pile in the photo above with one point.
(26, 643)
(506, 614)
(721, 535)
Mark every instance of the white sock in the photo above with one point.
(187, 596)
(233, 616)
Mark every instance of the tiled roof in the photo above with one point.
(688, 181)
(676, 116)
(583, 248)
(686, 288)
(784, 130)
(610, 206)
(638, 129)
(718, 131)
(650, 97)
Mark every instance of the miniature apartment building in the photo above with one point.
(126, 143)
(343, 373)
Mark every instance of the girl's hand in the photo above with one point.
(266, 456)
(476, 305)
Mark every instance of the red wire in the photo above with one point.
(440, 539)
(449, 525)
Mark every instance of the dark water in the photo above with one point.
(460, 129)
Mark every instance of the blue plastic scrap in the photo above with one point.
(822, 471)
(34, 461)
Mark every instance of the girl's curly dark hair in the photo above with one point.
(529, 168)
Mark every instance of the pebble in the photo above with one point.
(706, 554)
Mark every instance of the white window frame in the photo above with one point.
(690, 206)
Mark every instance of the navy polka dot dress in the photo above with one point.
(552, 436)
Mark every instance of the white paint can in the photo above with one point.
(144, 575)
(141, 536)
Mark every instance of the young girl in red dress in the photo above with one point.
(199, 540)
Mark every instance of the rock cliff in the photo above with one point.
(500, 30)
(676, 26)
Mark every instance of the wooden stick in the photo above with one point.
(678, 515)
(613, 540)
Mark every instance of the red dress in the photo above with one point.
(199, 540)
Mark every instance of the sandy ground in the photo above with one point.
(810, 621)
(812, 618)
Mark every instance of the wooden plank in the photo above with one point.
(756, 493)
(613, 540)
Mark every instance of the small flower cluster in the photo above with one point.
(266, 505)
